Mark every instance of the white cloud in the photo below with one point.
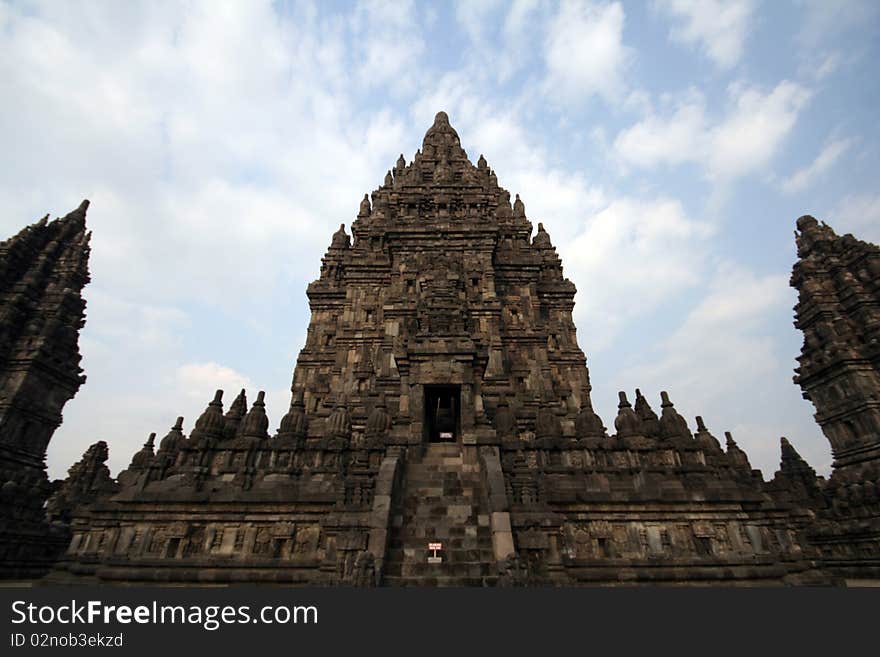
(585, 54)
(741, 142)
(674, 139)
(387, 41)
(751, 135)
(824, 66)
(803, 178)
(472, 15)
(505, 34)
(518, 37)
(823, 20)
(617, 245)
(199, 380)
(858, 214)
(718, 27)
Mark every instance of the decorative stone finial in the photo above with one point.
(365, 207)
(255, 424)
(519, 208)
(294, 424)
(588, 424)
(705, 439)
(650, 421)
(142, 458)
(210, 423)
(542, 239)
(626, 423)
(672, 424)
(735, 455)
(341, 240)
(87, 480)
(174, 439)
(792, 464)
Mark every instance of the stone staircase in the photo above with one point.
(443, 502)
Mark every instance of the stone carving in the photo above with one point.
(364, 570)
(512, 572)
(338, 430)
(505, 420)
(378, 423)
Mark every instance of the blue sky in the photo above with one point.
(667, 146)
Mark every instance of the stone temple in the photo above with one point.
(440, 431)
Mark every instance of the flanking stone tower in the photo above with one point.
(838, 310)
(440, 432)
(43, 270)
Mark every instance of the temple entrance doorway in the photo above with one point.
(442, 413)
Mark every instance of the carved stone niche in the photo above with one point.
(532, 539)
(351, 540)
(306, 542)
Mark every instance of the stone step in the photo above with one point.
(444, 449)
(414, 546)
(472, 569)
(437, 480)
(427, 582)
(443, 502)
(404, 554)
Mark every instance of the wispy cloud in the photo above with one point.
(803, 178)
(585, 54)
(742, 141)
(718, 27)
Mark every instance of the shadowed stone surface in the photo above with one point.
(43, 270)
(838, 310)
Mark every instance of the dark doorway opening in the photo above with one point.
(442, 413)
